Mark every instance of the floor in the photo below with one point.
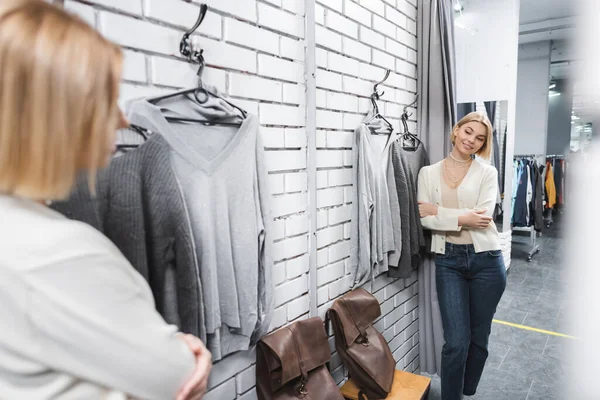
(527, 365)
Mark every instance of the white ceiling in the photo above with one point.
(553, 20)
(541, 10)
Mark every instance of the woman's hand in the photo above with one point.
(475, 219)
(195, 387)
(427, 209)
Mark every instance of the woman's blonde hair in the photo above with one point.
(59, 87)
(486, 149)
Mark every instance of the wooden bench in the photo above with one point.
(406, 386)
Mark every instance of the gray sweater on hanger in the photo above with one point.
(407, 165)
(372, 228)
(224, 182)
(139, 207)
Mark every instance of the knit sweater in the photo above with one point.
(140, 208)
(407, 165)
(371, 233)
(224, 182)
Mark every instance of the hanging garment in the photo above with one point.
(224, 183)
(407, 165)
(139, 207)
(521, 204)
(550, 186)
(561, 197)
(515, 187)
(529, 197)
(558, 180)
(371, 236)
(538, 207)
(380, 146)
(395, 210)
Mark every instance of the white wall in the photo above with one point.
(532, 98)
(484, 62)
(255, 51)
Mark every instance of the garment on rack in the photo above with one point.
(407, 165)
(520, 216)
(558, 179)
(371, 233)
(139, 207)
(550, 186)
(515, 186)
(538, 201)
(528, 169)
(224, 183)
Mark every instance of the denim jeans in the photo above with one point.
(469, 287)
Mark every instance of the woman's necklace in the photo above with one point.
(460, 161)
(454, 180)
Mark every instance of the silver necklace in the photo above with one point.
(460, 161)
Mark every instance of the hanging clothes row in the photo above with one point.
(186, 201)
(386, 234)
(528, 193)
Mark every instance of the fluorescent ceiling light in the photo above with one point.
(553, 94)
(552, 86)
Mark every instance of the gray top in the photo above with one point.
(78, 322)
(372, 235)
(223, 176)
(139, 206)
(407, 165)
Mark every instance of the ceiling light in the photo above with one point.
(552, 94)
(552, 86)
(458, 7)
(574, 117)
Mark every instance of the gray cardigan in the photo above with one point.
(407, 165)
(140, 208)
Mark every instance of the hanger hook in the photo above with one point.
(377, 94)
(411, 104)
(185, 46)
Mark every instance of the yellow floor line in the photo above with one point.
(529, 328)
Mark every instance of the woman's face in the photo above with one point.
(470, 137)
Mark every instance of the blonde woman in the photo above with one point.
(457, 197)
(78, 322)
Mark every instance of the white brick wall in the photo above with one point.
(255, 54)
(348, 65)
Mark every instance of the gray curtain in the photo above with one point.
(436, 114)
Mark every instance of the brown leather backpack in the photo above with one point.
(364, 351)
(290, 364)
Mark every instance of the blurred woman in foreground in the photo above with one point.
(77, 320)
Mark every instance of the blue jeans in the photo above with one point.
(469, 287)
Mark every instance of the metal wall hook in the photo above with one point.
(377, 94)
(185, 46)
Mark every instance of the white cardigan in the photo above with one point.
(477, 191)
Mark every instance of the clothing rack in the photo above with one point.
(534, 246)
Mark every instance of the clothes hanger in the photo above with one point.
(141, 131)
(410, 141)
(389, 128)
(201, 94)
